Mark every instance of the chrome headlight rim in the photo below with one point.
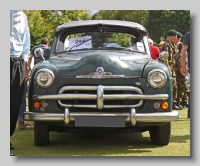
(149, 77)
(44, 70)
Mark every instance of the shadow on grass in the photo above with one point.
(180, 139)
(102, 144)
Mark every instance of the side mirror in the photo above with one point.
(163, 55)
(39, 53)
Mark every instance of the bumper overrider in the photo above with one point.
(100, 97)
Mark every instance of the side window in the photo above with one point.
(140, 46)
(136, 44)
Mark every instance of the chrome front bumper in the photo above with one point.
(131, 117)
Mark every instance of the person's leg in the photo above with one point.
(22, 109)
(21, 124)
(184, 89)
(180, 90)
(186, 94)
(189, 91)
(185, 99)
(174, 86)
(189, 105)
(17, 74)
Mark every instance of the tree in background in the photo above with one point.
(138, 16)
(43, 23)
(38, 28)
(159, 22)
(125, 15)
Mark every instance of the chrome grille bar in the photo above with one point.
(65, 88)
(142, 97)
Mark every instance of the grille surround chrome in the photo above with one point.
(100, 97)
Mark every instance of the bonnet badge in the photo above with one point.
(100, 71)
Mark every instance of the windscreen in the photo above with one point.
(86, 38)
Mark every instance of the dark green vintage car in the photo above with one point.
(101, 76)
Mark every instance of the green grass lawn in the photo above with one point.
(136, 144)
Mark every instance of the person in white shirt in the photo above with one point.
(19, 51)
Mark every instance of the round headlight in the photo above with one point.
(44, 78)
(157, 78)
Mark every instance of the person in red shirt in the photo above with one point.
(154, 50)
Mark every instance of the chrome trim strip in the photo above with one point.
(131, 117)
(43, 116)
(77, 106)
(158, 117)
(96, 114)
(100, 76)
(141, 97)
(124, 106)
(65, 96)
(131, 88)
(94, 97)
(105, 106)
(77, 88)
(69, 58)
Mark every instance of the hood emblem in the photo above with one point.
(100, 71)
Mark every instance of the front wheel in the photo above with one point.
(41, 134)
(160, 135)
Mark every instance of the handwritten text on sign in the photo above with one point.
(80, 42)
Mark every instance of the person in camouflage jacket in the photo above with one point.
(182, 87)
(170, 47)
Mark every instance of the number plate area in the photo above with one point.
(88, 121)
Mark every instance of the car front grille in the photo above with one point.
(100, 97)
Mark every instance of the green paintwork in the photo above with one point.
(108, 59)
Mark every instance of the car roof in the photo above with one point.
(101, 22)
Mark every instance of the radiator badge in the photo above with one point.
(100, 71)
